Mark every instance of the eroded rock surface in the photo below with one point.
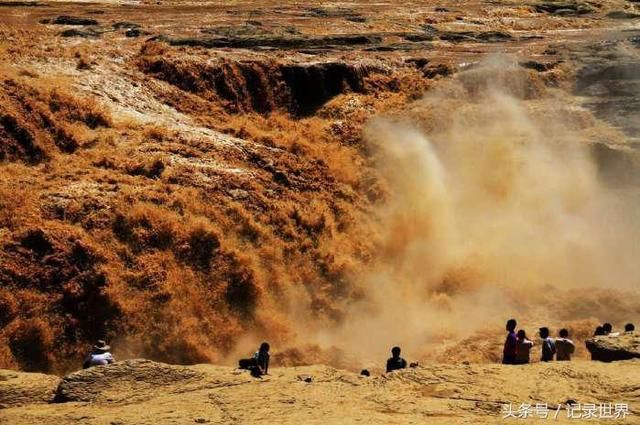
(19, 388)
(108, 382)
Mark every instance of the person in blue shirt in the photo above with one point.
(548, 345)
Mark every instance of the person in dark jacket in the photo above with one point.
(395, 362)
(262, 358)
(258, 365)
(548, 345)
(510, 344)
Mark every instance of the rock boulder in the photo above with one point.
(610, 348)
(106, 383)
(19, 388)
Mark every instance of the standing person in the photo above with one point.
(510, 344)
(564, 346)
(100, 355)
(395, 362)
(548, 346)
(629, 328)
(524, 348)
(607, 328)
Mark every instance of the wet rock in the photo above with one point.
(435, 70)
(621, 14)
(278, 42)
(79, 33)
(20, 4)
(18, 139)
(340, 12)
(609, 349)
(539, 66)
(125, 25)
(313, 85)
(264, 86)
(418, 62)
(565, 12)
(579, 8)
(19, 388)
(494, 36)
(418, 37)
(431, 33)
(357, 19)
(133, 33)
(36, 241)
(103, 382)
(73, 20)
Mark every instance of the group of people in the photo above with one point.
(258, 365)
(607, 330)
(517, 350)
(517, 347)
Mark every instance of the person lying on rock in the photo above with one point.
(548, 346)
(100, 355)
(510, 344)
(524, 348)
(564, 346)
(258, 365)
(395, 362)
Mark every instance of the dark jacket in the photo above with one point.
(395, 363)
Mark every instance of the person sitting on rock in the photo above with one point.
(258, 365)
(395, 362)
(564, 346)
(100, 356)
(548, 346)
(599, 331)
(608, 330)
(524, 348)
(510, 344)
(629, 328)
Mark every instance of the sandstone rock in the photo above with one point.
(622, 14)
(107, 382)
(609, 349)
(19, 388)
(73, 20)
(78, 33)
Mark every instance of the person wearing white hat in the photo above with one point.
(100, 355)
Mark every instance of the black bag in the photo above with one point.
(246, 364)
